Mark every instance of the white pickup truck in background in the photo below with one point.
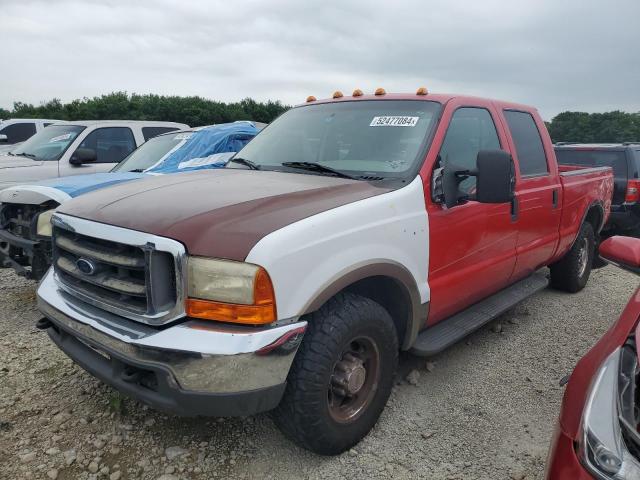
(74, 148)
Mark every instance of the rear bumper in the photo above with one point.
(193, 368)
(624, 217)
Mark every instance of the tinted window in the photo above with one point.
(18, 132)
(150, 132)
(595, 158)
(528, 143)
(49, 143)
(470, 130)
(111, 144)
(373, 138)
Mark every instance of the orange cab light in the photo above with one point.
(357, 93)
(422, 91)
(380, 91)
(311, 98)
(337, 94)
(262, 311)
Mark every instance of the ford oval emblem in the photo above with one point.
(87, 267)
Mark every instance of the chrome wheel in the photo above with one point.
(583, 257)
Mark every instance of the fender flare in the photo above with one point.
(390, 270)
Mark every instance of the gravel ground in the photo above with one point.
(483, 409)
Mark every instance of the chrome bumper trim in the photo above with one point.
(202, 355)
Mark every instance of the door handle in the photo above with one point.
(554, 197)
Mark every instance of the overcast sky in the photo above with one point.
(555, 54)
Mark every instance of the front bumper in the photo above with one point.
(562, 461)
(191, 368)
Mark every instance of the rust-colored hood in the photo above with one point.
(220, 213)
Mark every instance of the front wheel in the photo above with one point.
(572, 271)
(341, 377)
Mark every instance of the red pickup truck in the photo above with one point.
(347, 230)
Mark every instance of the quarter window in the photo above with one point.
(150, 132)
(111, 144)
(528, 143)
(471, 129)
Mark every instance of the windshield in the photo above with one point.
(206, 148)
(49, 143)
(151, 152)
(362, 138)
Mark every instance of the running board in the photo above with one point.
(449, 331)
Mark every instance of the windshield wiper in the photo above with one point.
(137, 170)
(28, 155)
(318, 167)
(245, 162)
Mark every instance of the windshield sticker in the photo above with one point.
(183, 136)
(394, 121)
(60, 138)
(216, 158)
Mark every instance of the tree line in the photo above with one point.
(194, 111)
(585, 127)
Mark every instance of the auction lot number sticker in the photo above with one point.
(394, 121)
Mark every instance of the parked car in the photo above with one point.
(75, 148)
(597, 435)
(347, 230)
(624, 159)
(25, 210)
(17, 130)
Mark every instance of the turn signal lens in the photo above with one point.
(229, 312)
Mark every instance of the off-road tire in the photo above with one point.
(304, 414)
(569, 273)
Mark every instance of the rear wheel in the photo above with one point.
(572, 272)
(341, 377)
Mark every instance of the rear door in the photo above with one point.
(537, 209)
(472, 245)
(111, 144)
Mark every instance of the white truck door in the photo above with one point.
(109, 146)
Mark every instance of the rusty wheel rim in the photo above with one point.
(354, 380)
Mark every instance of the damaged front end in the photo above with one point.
(25, 238)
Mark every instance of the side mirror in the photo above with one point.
(3, 138)
(496, 179)
(623, 252)
(495, 183)
(83, 155)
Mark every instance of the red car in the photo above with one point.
(597, 434)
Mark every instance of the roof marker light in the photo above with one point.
(422, 91)
(357, 93)
(311, 98)
(337, 94)
(380, 91)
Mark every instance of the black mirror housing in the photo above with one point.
(495, 177)
(83, 155)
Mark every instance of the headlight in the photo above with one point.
(229, 291)
(43, 227)
(602, 448)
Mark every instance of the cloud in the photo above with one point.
(569, 55)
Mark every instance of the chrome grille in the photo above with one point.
(132, 278)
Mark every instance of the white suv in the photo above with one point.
(73, 148)
(17, 130)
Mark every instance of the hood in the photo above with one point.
(14, 161)
(218, 213)
(80, 184)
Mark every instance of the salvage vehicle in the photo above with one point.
(75, 148)
(347, 230)
(597, 435)
(25, 210)
(624, 159)
(17, 130)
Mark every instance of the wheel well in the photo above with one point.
(393, 297)
(594, 217)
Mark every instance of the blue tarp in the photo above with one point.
(206, 148)
(209, 147)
